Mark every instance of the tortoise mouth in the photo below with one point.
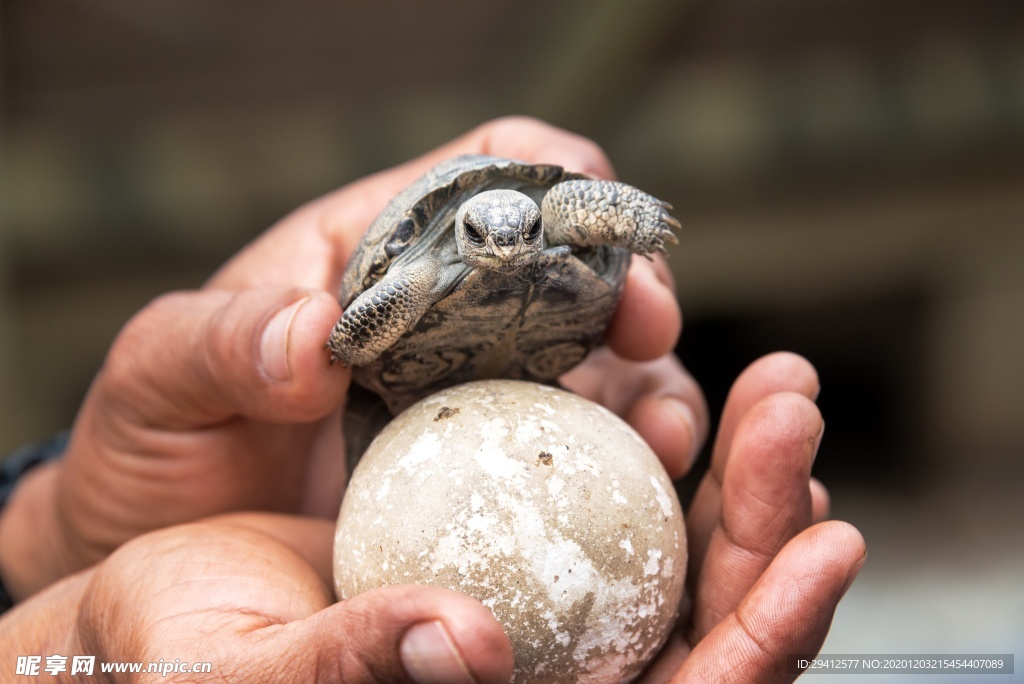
(496, 262)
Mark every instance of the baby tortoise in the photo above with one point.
(489, 268)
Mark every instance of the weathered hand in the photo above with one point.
(636, 375)
(221, 399)
(763, 582)
(249, 594)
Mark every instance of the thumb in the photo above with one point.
(192, 359)
(394, 634)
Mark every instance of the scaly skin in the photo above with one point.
(389, 309)
(577, 213)
(595, 212)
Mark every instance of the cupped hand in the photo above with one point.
(222, 400)
(249, 593)
(765, 574)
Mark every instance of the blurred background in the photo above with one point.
(850, 174)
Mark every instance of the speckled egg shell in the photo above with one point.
(544, 506)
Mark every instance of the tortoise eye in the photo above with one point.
(472, 234)
(534, 230)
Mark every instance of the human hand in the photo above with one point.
(250, 592)
(250, 595)
(222, 400)
(763, 581)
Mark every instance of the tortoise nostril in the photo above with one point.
(504, 238)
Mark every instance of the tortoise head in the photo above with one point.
(500, 230)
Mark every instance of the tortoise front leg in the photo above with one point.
(587, 213)
(382, 314)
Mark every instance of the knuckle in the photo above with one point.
(219, 336)
(785, 418)
(126, 359)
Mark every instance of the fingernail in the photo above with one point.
(852, 575)
(429, 655)
(684, 413)
(816, 444)
(274, 342)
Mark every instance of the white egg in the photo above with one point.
(546, 507)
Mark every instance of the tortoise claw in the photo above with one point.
(334, 358)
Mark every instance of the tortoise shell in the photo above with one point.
(535, 324)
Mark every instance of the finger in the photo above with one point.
(197, 359)
(45, 621)
(659, 265)
(347, 214)
(659, 399)
(779, 372)
(295, 252)
(789, 610)
(309, 539)
(191, 584)
(223, 392)
(393, 634)
(647, 321)
(766, 501)
(245, 582)
(527, 139)
(820, 501)
(668, 661)
(310, 247)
